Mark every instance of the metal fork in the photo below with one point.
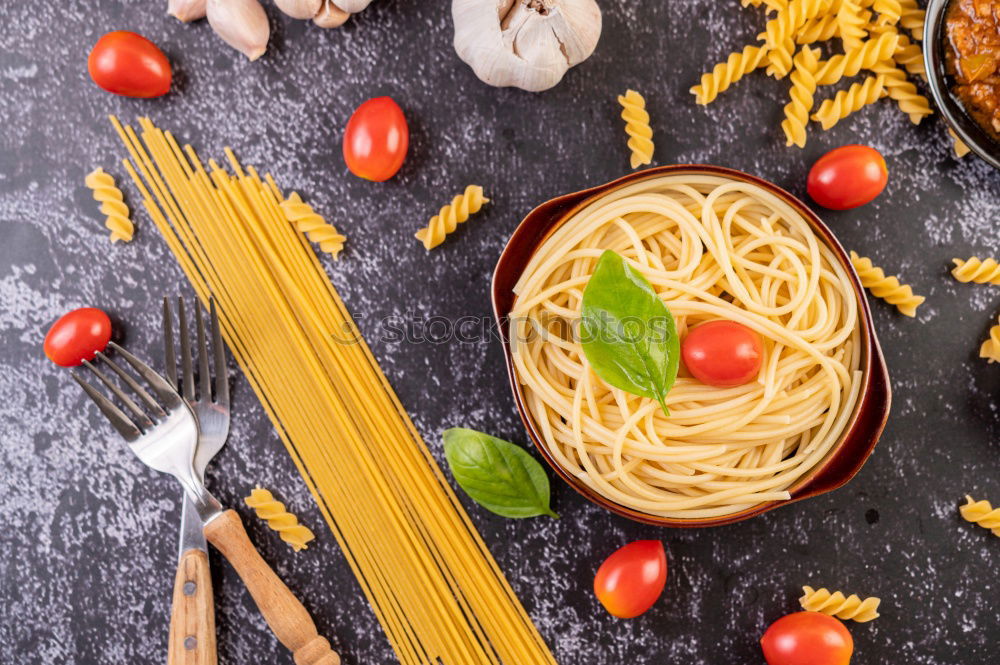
(192, 618)
(163, 433)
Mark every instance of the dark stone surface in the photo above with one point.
(88, 543)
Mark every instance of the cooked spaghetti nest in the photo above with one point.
(712, 248)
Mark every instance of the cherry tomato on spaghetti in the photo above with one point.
(77, 336)
(128, 64)
(807, 638)
(847, 177)
(632, 578)
(722, 353)
(376, 139)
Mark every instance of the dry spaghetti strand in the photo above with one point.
(427, 574)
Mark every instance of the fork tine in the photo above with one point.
(133, 385)
(167, 395)
(219, 350)
(144, 422)
(168, 344)
(187, 378)
(204, 382)
(118, 420)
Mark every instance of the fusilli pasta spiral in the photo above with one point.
(889, 11)
(852, 25)
(772, 5)
(724, 74)
(112, 205)
(803, 86)
(872, 51)
(835, 604)
(779, 33)
(990, 349)
(640, 134)
(981, 513)
(871, 29)
(886, 288)
(903, 91)
(286, 524)
(977, 270)
(846, 102)
(961, 150)
(871, 40)
(819, 29)
(910, 56)
(311, 223)
(912, 18)
(447, 220)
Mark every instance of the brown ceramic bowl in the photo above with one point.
(843, 461)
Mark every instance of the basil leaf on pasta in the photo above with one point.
(627, 332)
(499, 476)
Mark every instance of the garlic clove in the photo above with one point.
(352, 6)
(186, 10)
(529, 44)
(242, 24)
(578, 29)
(330, 16)
(303, 9)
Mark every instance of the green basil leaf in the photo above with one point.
(496, 474)
(627, 332)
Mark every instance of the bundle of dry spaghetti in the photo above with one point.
(433, 585)
(712, 248)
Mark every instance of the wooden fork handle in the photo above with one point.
(288, 619)
(192, 617)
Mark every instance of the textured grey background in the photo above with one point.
(87, 545)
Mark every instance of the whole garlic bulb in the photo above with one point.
(529, 44)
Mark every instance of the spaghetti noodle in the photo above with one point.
(433, 585)
(712, 248)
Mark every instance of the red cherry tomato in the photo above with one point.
(847, 177)
(128, 64)
(807, 638)
(630, 580)
(722, 353)
(77, 336)
(376, 139)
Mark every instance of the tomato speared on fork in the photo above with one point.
(77, 336)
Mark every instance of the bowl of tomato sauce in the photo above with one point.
(962, 58)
